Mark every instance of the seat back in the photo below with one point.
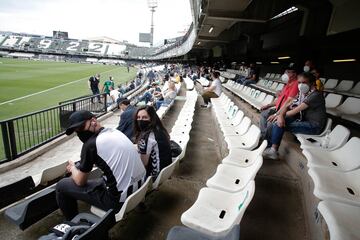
(238, 118)
(333, 100)
(349, 154)
(344, 85)
(338, 136)
(280, 87)
(350, 106)
(268, 99)
(261, 97)
(330, 83)
(134, 199)
(356, 89)
(164, 174)
(261, 148)
(243, 127)
(267, 75)
(274, 85)
(241, 201)
(53, 173)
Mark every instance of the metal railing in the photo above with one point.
(23, 134)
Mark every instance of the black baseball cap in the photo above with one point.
(121, 99)
(77, 119)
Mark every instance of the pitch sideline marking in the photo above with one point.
(49, 89)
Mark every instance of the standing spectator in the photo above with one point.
(108, 86)
(126, 124)
(94, 86)
(113, 153)
(309, 117)
(152, 140)
(214, 91)
(151, 76)
(285, 98)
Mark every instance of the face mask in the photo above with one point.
(285, 77)
(143, 124)
(85, 135)
(303, 88)
(306, 68)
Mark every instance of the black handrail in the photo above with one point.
(24, 133)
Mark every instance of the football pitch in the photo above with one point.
(27, 86)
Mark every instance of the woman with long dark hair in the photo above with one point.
(152, 139)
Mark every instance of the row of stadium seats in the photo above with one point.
(251, 95)
(349, 109)
(334, 168)
(41, 204)
(185, 118)
(219, 208)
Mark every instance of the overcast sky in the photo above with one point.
(119, 19)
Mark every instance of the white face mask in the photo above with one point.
(306, 68)
(303, 88)
(285, 78)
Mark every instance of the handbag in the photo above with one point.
(175, 149)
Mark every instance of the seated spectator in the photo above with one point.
(253, 76)
(309, 66)
(152, 140)
(214, 91)
(307, 118)
(138, 81)
(130, 87)
(149, 93)
(108, 86)
(126, 124)
(319, 84)
(109, 150)
(114, 94)
(167, 96)
(287, 95)
(122, 89)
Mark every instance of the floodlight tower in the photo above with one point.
(152, 5)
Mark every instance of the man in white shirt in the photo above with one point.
(113, 153)
(214, 91)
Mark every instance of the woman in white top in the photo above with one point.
(214, 91)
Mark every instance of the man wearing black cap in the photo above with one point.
(109, 150)
(126, 124)
(285, 98)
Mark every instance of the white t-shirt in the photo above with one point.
(217, 84)
(115, 155)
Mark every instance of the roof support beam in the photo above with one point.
(235, 19)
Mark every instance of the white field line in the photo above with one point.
(49, 89)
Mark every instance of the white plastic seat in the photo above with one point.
(268, 99)
(333, 100)
(244, 158)
(330, 84)
(350, 106)
(336, 186)
(234, 121)
(344, 85)
(345, 158)
(130, 203)
(164, 174)
(279, 87)
(247, 141)
(50, 174)
(342, 220)
(337, 138)
(352, 117)
(215, 212)
(355, 90)
(230, 178)
(179, 131)
(326, 128)
(238, 130)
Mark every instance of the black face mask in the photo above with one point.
(85, 135)
(143, 124)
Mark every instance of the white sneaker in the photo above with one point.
(270, 153)
(209, 105)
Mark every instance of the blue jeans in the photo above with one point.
(248, 82)
(293, 126)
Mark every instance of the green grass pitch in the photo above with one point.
(20, 78)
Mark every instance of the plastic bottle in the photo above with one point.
(326, 140)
